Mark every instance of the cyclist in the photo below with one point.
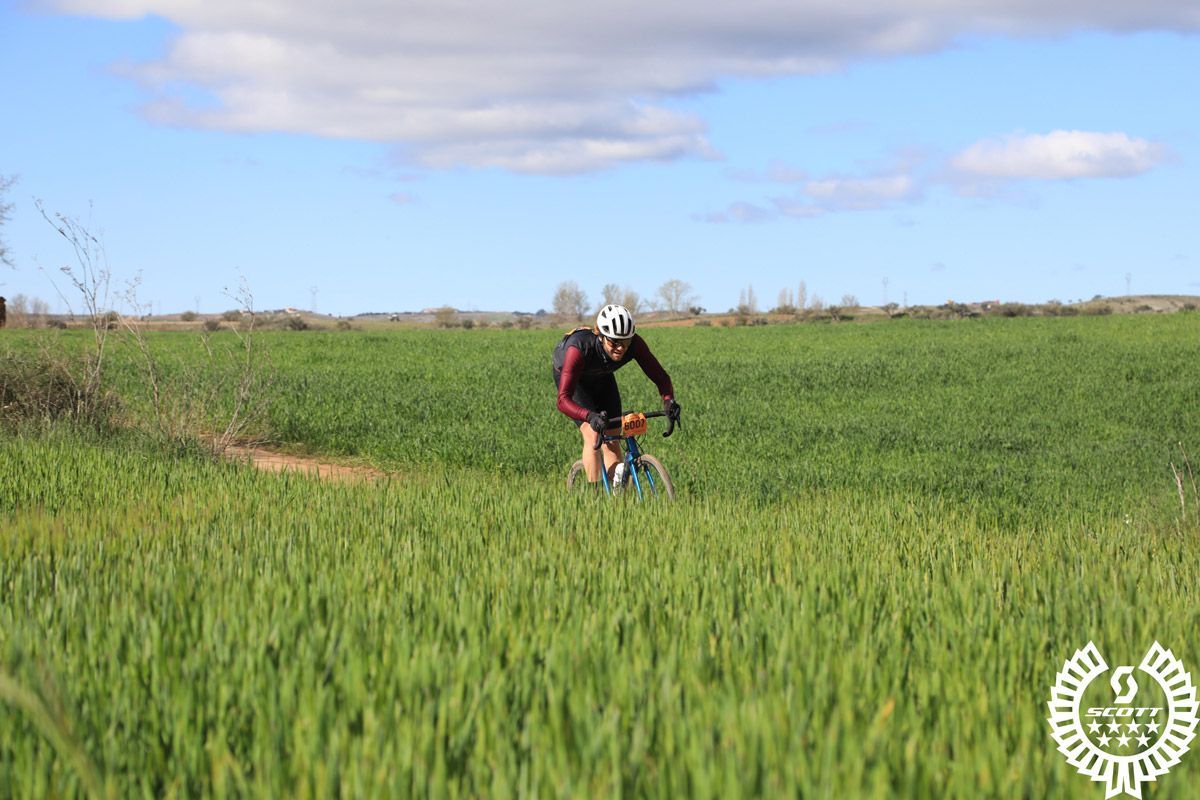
(584, 363)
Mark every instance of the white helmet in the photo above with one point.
(615, 322)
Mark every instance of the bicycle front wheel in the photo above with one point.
(653, 478)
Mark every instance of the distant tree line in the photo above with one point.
(674, 296)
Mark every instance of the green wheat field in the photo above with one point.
(888, 537)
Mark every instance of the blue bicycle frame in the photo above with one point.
(632, 454)
(644, 471)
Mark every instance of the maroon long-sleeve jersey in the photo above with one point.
(580, 358)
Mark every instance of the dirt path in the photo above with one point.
(272, 461)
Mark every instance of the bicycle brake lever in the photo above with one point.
(600, 433)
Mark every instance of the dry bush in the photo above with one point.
(219, 401)
(49, 385)
(1014, 310)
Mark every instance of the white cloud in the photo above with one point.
(1059, 155)
(862, 193)
(539, 86)
(989, 169)
(815, 197)
(738, 212)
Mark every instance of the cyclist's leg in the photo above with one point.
(609, 395)
(598, 395)
(610, 452)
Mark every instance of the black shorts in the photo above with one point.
(597, 394)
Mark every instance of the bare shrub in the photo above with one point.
(747, 302)
(220, 400)
(1014, 310)
(570, 302)
(675, 296)
(6, 184)
(44, 386)
(786, 303)
(954, 310)
(613, 294)
(90, 278)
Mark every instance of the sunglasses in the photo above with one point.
(617, 342)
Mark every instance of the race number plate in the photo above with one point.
(633, 424)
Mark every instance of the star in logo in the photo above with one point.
(1143, 741)
(1104, 740)
(1094, 727)
(1114, 727)
(1123, 741)
(1152, 727)
(1134, 727)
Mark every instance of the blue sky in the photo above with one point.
(413, 154)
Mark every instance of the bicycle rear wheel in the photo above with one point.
(654, 480)
(577, 481)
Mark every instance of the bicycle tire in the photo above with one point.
(577, 481)
(577, 477)
(662, 481)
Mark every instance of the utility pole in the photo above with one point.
(1128, 279)
(885, 284)
(313, 306)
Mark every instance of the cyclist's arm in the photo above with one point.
(572, 367)
(649, 364)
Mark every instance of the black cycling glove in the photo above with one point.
(672, 409)
(598, 420)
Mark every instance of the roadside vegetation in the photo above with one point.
(887, 540)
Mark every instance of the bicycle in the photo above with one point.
(653, 479)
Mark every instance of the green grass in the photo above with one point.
(888, 540)
(1019, 420)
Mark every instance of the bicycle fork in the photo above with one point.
(632, 458)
